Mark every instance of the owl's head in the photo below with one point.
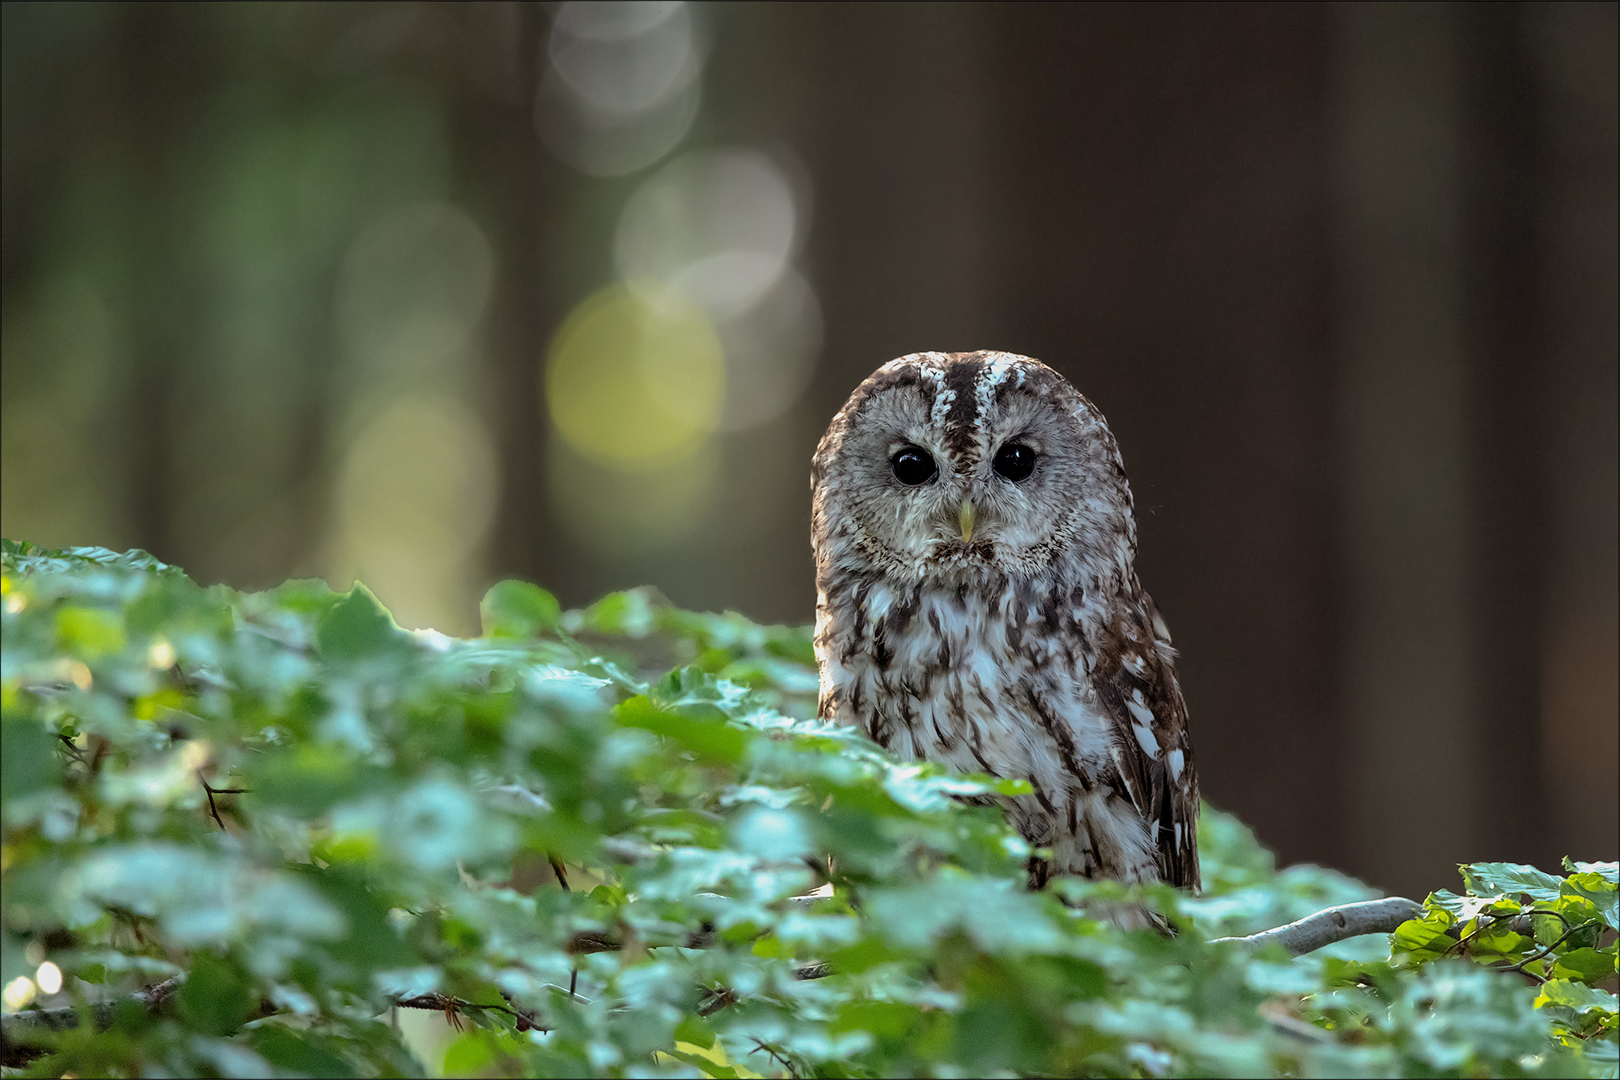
(959, 464)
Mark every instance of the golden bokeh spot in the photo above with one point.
(635, 378)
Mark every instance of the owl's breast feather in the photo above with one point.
(954, 676)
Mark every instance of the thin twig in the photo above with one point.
(1544, 953)
(73, 751)
(784, 1062)
(452, 1006)
(213, 810)
(1531, 914)
(1520, 922)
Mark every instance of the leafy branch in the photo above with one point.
(732, 874)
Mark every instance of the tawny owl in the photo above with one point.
(978, 606)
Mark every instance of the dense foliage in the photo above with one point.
(312, 815)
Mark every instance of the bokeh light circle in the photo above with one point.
(623, 84)
(719, 225)
(635, 377)
(623, 57)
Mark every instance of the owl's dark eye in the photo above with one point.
(1015, 461)
(913, 466)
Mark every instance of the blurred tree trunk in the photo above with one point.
(1573, 49)
(514, 187)
(1501, 192)
(1477, 235)
(160, 63)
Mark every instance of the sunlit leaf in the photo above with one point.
(1577, 996)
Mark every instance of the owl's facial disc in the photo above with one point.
(970, 463)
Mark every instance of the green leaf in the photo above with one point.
(1424, 938)
(89, 633)
(470, 1054)
(28, 758)
(1577, 996)
(1587, 965)
(884, 1019)
(217, 997)
(312, 779)
(695, 1030)
(996, 916)
(1604, 1055)
(1493, 878)
(356, 628)
(1458, 1016)
(705, 1065)
(1609, 871)
(1599, 891)
(171, 604)
(301, 1052)
(999, 1033)
(631, 613)
(517, 609)
(712, 741)
(1012, 786)
(1470, 907)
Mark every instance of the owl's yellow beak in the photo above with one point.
(964, 517)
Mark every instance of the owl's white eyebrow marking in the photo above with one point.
(943, 397)
(992, 375)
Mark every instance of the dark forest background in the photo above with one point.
(436, 294)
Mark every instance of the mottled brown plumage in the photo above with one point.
(987, 615)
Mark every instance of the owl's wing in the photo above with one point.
(1141, 696)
